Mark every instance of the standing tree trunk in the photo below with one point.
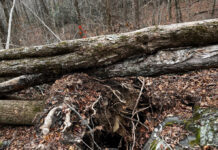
(213, 8)
(159, 11)
(108, 15)
(4, 16)
(136, 12)
(169, 8)
(125, 11)
(154, 12)
(79, 19)
(178, 12)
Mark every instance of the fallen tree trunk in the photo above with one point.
(23, 82)
(19, 83)
(163, 62)
(70, 56)
(19, 112)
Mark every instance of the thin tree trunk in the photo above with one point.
(178, 12)
(79, 19)
(9, 25)
(154, 12)
(108, 15)
(159, 12)
(169, 3)
(136, 15)
(213, 8)
(125, 11)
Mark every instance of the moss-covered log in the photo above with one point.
(68, 56)
(19, 112)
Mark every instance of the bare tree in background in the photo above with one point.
(213, 9)
(79, 19)
(178, 12)
(125, 11)
(154, 12)
(108, 15)
(9, 25)
(169, 7)
(135, 4)
(4, 17)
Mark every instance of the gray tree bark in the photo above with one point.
(147, 52)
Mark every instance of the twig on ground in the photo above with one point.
(93, 105)
(115, 93)
(139, 96)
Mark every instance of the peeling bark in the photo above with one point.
(164, 62)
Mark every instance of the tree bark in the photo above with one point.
(164, 62)
(108, 15)
(169, 8)
(213, 8)
(19, 112)
(178, 12)
(136, 11)
(21, 82)
(69, 56)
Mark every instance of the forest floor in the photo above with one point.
(169, 95)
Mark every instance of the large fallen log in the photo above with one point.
(19, 112)
(69, 56)
(163, 62)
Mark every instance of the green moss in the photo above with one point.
(155, 29)
(198, 138)
(198, 135)
(37, 109)
(123, 38)
(170, 123)
(138, 33)
(62, 43)
(196, 35)
(153, 145)
(100, 45)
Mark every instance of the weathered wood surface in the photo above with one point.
(164, 62)
(19, 112)
(19, 83)
(24, 81)
(69, 56)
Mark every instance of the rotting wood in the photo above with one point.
(20, 112)
(24, 81)
(164, 62)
